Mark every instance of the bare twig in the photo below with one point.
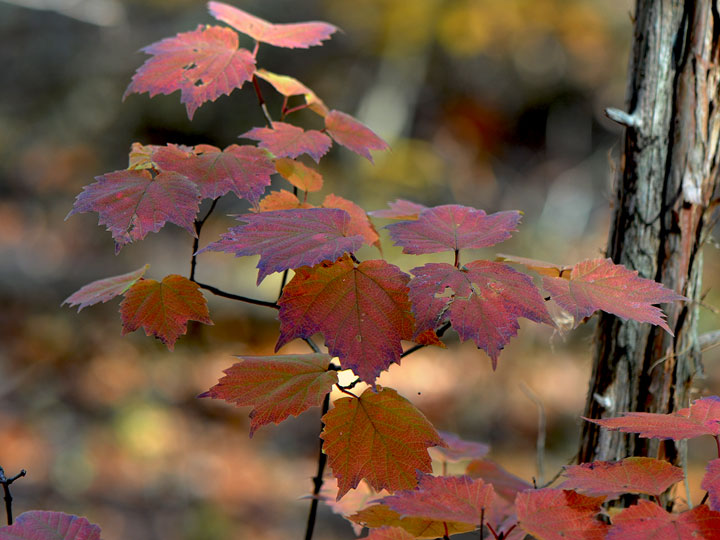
(261, 102)
(318, 480)
(239, 298)
(542, 428)
(6, 488)
(196, 243)
(444, 328)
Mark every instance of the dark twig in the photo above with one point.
(8, 496)
(312, 345)
(261, 102)
(444, 328)
(705, 498)
(239, 298)
(557, 474)
(196, 243)
(318, 480)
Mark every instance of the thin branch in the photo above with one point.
(444, 328)
(261, 102)
(557, 474)
(312, 345)
(196, 242)
(8, 496)
(239, 298)
(295, 109)
(318, 480)
(283, 283)
(542, 428)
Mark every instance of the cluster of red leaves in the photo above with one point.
(365, 310)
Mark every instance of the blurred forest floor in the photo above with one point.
(488, 103)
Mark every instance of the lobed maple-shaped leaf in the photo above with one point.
(452, 227)
(541, 267)
(631, 475)
(458, 449)
(363, 311)
(380, 437)
(163, 308)
(506, 485)
(444, 498)
(359, 222)
(276, 386)
(701, 418)
(380, 515)
(289, 86)
(141, 156)
(353, 134)
(486, 300)
(648, 521)
(287, 239)
(103, 290)
(39, 525)
(281, 200)
(286, 140)
(292, 36)
(556, 514)
(390, 533)
(203, 64)
(601, 284)
(299, 175)
(132, 203)
(244, 170)
(400, 209)
(711, 483)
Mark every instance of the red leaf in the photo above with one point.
(485, 302)
(556, 514)
(601, 284)
(37, 525)
(458, 449)
(163, 308)
(444, 498)
(701, 418)
(286, 140)
(291, 36)
(203, 64)
(103, 290)
(132, 203)
(276, 386)
(287, 239)
(281, 200)
(389, 533)
(353, 134)
(453, 227)
(288, 86)
(400, 209)
(299, 175)
(381, 437)
(380, 515)
(244, 170)
(363, 311)
(359, 222)
(711, 483)
(631, 475)
(506, 485)
(647, 521)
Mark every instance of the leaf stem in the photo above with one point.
(717, 444)
(295, 109)
(261, 102)
(8, 496)
(444, 328)
(318, 480)
(239, 298)
(457, 259)
(196, 242)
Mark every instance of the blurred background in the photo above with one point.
(488, 103)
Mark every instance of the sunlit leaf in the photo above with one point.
(359, 222)
(103, 290)
(203, 64)
(281, 200)
(648, 521)
(458, 449)
(389, 533)
(38, 525)
(163, 308)
(541, 267)
(353, 134)
(380, 437)
(288, 86)
(299, 175)
(286, 140)
(276, 386)
(380, 515)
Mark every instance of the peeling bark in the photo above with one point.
(666, 179)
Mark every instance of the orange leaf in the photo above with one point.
(381, 437)
(281, 200)
(163, 308)
(299, 175)
(359, 222)
(288, 86)
(648, 521)
(390, 533)
(380, 515)
(277, 386)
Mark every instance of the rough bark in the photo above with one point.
(666, 179)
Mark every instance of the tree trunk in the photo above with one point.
(666, 179)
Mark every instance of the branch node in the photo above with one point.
(631, 121)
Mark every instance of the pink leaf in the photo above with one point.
(400, 209)
(353, 134)
(484, 302)
(103, 290)
(631, 475)
(453, 227)
(556, 514)
(286, 140)
(647, 521)
(506, 485)
(288, 86)
(701, 418)
(458, 449)
(296, 35)
(132, 203)
(601, 284)
(244, 170)
(203, 64)
(37, 525)
(711, 483)
(287, 239)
